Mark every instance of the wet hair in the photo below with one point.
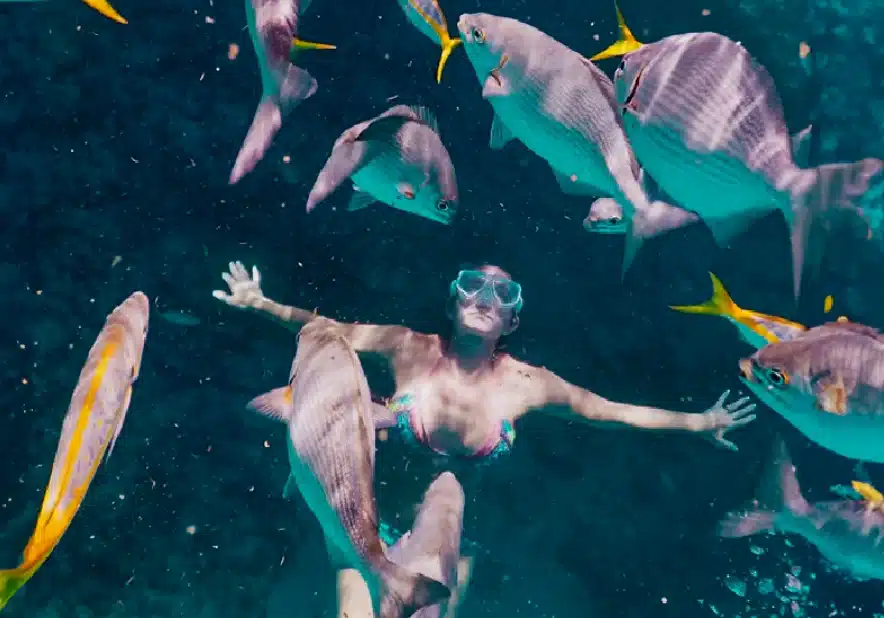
(450, 306)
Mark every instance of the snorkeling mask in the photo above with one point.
(470, 283)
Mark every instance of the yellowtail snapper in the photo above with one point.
(427, 16)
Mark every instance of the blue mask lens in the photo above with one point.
(470, 283)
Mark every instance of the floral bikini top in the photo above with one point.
(403, 408)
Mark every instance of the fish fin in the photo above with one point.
(828, 302)
(624, 44)
(290, 488)
(725, 229)
(12, 580)
(660, 217)
(126, 401)
(346, 159)
(500, 134)
(464, 575)
(736, 525)
(264, 127)
(816, 192)
(720, 304)
(426, 116)
(103, 7)
(360, 200)
(448, 45)
(801, 143)
(277, 404)
(570, 186)
(405, 592)
(832, 395)
(299, 44)
(633, 241)
(867, 491)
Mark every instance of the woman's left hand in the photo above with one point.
(721, 418)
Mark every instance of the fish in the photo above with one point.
(624, 44)
(606, 215)
(396, 158)
(102, 6)
(848, 533)
(561, 107)
(273, 27)
(755, 328)
(705, 121)
(432, 546)
(90, 430)
(828, 382)
(427, 16)
(327, 408)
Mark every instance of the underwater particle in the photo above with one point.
(766, 586)
(755, 549)
(286, 159)
(191, 530)
(179, 318)
(210, 20)
(705, 12)
(117, 259)
(232, 51)
(736, 585)
(827, 303)
(803, 50)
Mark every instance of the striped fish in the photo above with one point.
(432, 546)
(273, 27)
(91, 427)
(328, 410)
(705, 121)
(427, 16)
(755, 328)
(560, 106)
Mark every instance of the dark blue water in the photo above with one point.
(117, 144)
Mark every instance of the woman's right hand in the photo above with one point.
(245, 291)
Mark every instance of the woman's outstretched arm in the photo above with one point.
(246, 293)
(544, 391)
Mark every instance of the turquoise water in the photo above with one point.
(118, 141)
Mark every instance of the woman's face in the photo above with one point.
(479, 309)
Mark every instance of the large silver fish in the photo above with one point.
(606, 215)
(328, 409)
(90, 429)
(829, 383)
(559, 105)
(705, 121)
(396, 158)
(432, 546)
(849, 533)
(273, 26)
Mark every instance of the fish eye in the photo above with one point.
(442, 205)
(622, 66)
(777, 377)
(477, 35)
(613, 220)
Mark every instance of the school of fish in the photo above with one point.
(690, 130)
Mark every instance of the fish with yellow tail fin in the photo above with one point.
(873, 498)
(90, 428)
(427, 16)
(756, 329)
(103, 7)
(625, 44)
(848, 533)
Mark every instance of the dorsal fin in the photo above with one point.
(426, 116)
(853, 327)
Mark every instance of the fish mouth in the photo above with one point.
(462, 24)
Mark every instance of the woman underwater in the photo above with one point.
(461, 396)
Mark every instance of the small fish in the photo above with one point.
(624, 44)
(848, 533)
(327, 407)
(829, 383)
(91, 427)
(705, 121)
(396, 158)
(427, 16)
(102, 6)
(560, 106)
(180, 318)
(756, 329)
(273, 26)
(432, 546)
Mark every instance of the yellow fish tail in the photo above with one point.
(869, 493)
(625, 44)
(12, 580)
(299, 44)
(721, 303)
(103, 7)
(448, 45)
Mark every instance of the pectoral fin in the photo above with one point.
(277, 404)
(570, 186)
(832, 395)
(500, 134)
(359, 200)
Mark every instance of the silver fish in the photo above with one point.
(829, 383)
(559, 105)
(328, 409)
(606, 215)
(705, 121)
(396, 158)
(273, 26)
(90, 429)
(432, 546)
(849, 533)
